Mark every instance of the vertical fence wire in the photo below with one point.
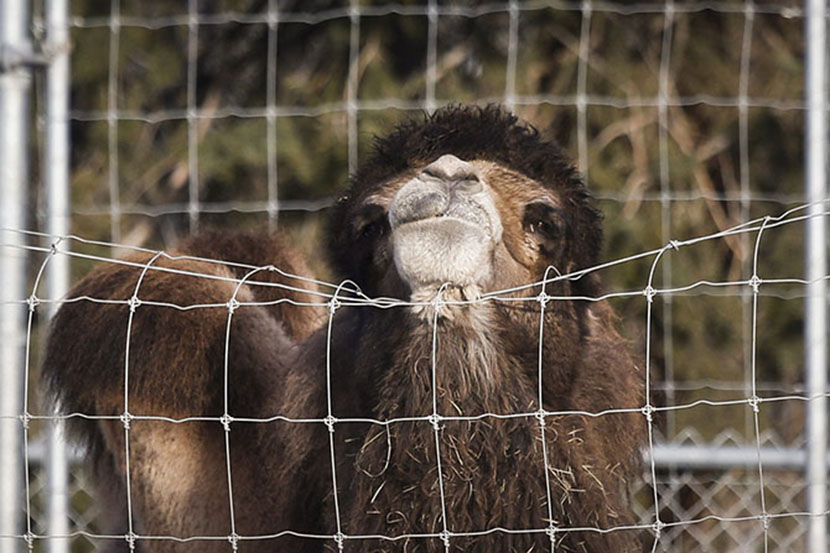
(648, 407)
(581, 85)
(816, 141)
(435, 418)
(754, 401)
(543, 301)
(112, 121)
(743, 177)
(271, 114)
(512, 55)
(33, 303)
(226, 419)
(665, 198)
(192, 108)
(126, 417)
(432, 55)
(330, 419)
(352, 83)
(15, 84)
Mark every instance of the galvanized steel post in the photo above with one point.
(56, 181)
(815, 315)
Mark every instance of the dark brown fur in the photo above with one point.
(487, 362)
(178, 471)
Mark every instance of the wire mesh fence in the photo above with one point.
(687, 119)
(686, 495)
(726, 500)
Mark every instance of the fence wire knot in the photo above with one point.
(53, 247)
(754, 402)
(334, 305)
(674, 244)
(550, 531)
(540, 416)
(29, 538)
(233, 305)
(764, 518)
(445, 538)
(339, 539)
(434, 419)
(658, 527)
(330, 421)
(648, 411)
(233, 539)
(133, 302)
(32, 301)
(25, 418)
(543, 299)
(649, 293)
(432, 11)
(226, 421)
(755, 282)
(126, 418)
(130, 538)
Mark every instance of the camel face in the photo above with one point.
(475, 226)
(469, 197)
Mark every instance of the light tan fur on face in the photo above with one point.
(513, 193)
(434, 252)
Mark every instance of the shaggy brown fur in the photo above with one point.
(487, 362)
(178, 471)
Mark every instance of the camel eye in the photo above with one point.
(371, 222)
(542, 227)
(542, 220)
(372, 230)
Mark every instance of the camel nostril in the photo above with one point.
(433, 174)
(413, 203)
(470, 185)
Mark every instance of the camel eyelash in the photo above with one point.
(543, 219)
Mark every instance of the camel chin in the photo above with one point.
(443, 250)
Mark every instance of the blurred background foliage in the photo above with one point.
(700, 340)
(703, 193)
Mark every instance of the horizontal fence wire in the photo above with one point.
(272, 110)
(361, 299)
(750, 393)
(347, 294)
(485, 8)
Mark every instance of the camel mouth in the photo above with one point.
(452, 221)
(444, 249)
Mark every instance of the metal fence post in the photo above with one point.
(815, 331)
(15, 83)
(56, 181)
